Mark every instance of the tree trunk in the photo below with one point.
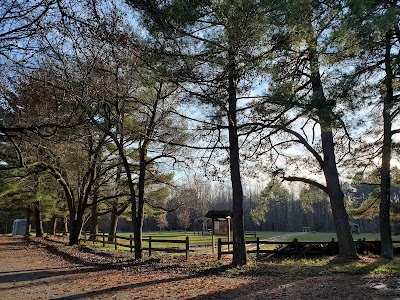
(114, 210)
(28, 221)
(38, 221)
(113, 222)
(384, 209)
(137, 239)
(53, 225)
(324, 108)
(65, 224)
(94, 228)
(75, 231)
(336, 197)
(138, 230)
(73, 238)
(138, 221)
(76, 223)
(239, 246)
(138, 226)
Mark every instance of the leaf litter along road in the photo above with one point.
(39, 269)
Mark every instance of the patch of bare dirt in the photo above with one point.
(40, 269)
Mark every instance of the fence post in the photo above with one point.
(149, 246)
(258, 247)
(115, 242)
(187, 248)
(104, 239)
(93, 237)
(130, 242)
(219, 249)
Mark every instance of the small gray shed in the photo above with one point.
(19, 227)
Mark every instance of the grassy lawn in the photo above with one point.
(314, 237)
(194, 240)
(263, 235)
(203, 243)
(328, 265)
(367, 265)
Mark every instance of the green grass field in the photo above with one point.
(263, 235)
(202, 243)
(314, 237)
(368, 265)
(327, 265)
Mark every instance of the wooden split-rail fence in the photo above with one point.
(300, 249)
(127, 242)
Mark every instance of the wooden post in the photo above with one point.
(219, 249)
(187, 248)
(115, 242)
(104, 239)
(130, 242)
(258, 247)
(94, 237)
(149, 246)
(213, 242)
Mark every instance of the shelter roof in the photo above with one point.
(214, 214)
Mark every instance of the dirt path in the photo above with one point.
(41, 270)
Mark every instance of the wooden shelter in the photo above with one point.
(221, 223)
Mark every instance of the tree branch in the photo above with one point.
(306, 180)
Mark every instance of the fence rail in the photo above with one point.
(299, 248)
(115, 240)
(283, 248)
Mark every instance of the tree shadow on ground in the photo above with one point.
(104, 292)
(33, 275)
(25, 271)
(279, 283)
(329, 287)
(321, 287)
(15, 245)
(83, 262)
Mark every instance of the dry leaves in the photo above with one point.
(39, 269)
